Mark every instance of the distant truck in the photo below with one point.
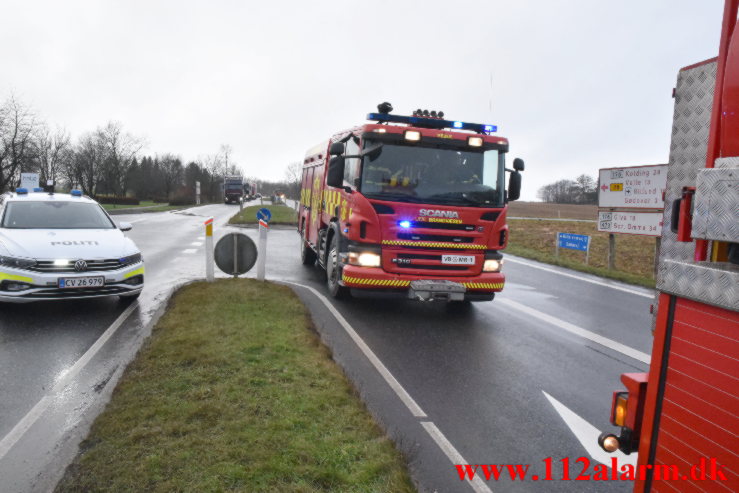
(233, 189)
(413, 206)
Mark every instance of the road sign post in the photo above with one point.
(209, 267)
(263, 216)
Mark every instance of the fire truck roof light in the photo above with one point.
(427, 122)
(413, 135)
(474, 141)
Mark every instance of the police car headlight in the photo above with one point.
(18, 263)
(131, 259)
(492, 265)
(364, 259)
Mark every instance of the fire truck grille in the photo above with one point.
(444, 238)
(447, 226)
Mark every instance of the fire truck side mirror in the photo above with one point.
(514, 186)
(518, 164)
(336, 148)
(335, 176)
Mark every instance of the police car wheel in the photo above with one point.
(307, 255)
(333, 273)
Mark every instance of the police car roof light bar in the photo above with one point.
(419, 121)
(76, 193)
(38, 189)
(21, 191)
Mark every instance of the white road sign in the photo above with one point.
(638, 187)
(29, 181)
(634, 223)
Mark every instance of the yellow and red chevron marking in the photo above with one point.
(432, 244)
(394, 283)
(483, 285)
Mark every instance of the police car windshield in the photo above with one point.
(55, 215)
(433, 175)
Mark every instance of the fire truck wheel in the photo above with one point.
(307, 255)
(333, 272)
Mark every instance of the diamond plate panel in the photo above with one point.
(691, 120)
(713, 283)
(716, 214)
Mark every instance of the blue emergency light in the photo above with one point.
(75, 193)
(21, 191)
(404, 224)
(38, 189)
(425, 122)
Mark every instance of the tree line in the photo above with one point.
(581, 190)
(106, 162)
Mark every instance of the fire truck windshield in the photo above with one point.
(433, 175)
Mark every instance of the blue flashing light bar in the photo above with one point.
(419, 121)
(404, 224)
(38, 189)
(75, 193)
(21, 191)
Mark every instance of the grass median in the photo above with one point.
(281, 214)
(234, 391)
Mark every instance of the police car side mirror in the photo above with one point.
(335, 176)
(518, 164)
(125, 226)
(514, 186)
(336, 148)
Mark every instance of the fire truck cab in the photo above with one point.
(409, 206)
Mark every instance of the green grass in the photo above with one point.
(634, 254)
(143, 203)
(281, 214)
(235, 392)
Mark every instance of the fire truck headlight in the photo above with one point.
(364, 259)
(413, 135)
(492, 265)
(474, 141)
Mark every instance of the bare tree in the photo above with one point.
(54, 153)
(120, 149)
(293, 177)
(172, 172)
(18, 125)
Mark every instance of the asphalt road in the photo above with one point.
(501, 382)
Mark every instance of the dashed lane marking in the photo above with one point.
(190, 250)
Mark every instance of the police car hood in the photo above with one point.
(66, 243)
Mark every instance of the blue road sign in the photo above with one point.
(264, 214)
(573, 241)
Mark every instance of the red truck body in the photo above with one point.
(431, 209)
(683, 416)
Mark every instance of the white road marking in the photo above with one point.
(196, 243)
(36, 411)
(404, 396)
(455, 457)
(190, 250)
(201, 238)
(578, 331)
(587, 435)
(581, 278)
(137, 220)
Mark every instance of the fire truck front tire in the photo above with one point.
(307, 255)
(333, 272)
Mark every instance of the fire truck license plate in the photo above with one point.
(458, 259)
(82, 282)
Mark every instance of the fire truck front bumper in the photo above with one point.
(368, 281)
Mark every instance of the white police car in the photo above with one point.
(64, 246)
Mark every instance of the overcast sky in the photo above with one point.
(576, 85)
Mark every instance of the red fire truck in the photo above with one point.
(411, 206)
(683, 416)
